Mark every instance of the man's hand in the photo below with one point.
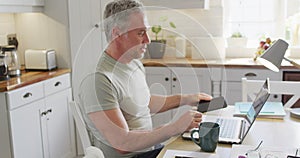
(193, 99)
(190, 119)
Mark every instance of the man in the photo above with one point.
(120, 123)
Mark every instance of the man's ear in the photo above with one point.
(116, 32)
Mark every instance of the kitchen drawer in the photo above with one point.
(57, 84)
(25, 95)
(254, 74)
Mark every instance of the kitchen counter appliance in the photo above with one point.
(43, 59)
(14, 68)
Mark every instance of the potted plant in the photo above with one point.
(237, 40)
(157, 46)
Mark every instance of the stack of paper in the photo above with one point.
(278, 152)
(269, 110)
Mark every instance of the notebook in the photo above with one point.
(233, 130)
(270, 109)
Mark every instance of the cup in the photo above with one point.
(208, 136)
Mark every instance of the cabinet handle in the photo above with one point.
(174, 79)
(43, 113)
(96, 25)
(57, 84)
(275, 96)
(250, 74)
(46, 112)
(167, 79)
(27, 95)
(49, 110)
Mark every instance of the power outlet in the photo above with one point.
(10, 37)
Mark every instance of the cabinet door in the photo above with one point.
(11, 2)
(191, 80)
(159, 82)
(22, 2)
(59, 126)
(26, 131)
(232, 91)
(33, 2)
(177, 4)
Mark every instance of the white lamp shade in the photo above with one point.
(273, 56)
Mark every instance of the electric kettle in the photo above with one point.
(14, 68)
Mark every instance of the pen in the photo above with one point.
(267, 112)
(262, 112)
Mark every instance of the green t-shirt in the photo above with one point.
(118, 85)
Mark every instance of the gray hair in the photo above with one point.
(117, 13)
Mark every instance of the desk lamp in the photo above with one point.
(273, 56)
(272, 59)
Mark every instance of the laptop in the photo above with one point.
(233, 130)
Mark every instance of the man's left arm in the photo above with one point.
(160, 103)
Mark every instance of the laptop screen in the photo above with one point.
(261, 98)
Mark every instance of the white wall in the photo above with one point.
(7, 26)
(192, 23)
(37, 31)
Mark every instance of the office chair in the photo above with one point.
(89, 150)
(250, 87)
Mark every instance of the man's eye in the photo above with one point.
(141, 33)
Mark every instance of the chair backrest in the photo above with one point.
(251, 87)
(89, 150)
(80, 124)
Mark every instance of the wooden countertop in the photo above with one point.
(29, 77)
(228, 63)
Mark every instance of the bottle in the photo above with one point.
(180, 44)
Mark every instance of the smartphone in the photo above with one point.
(214, 104)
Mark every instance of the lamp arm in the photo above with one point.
(292, 62)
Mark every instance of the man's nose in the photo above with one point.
(146, 38)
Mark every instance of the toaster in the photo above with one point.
(42, 59)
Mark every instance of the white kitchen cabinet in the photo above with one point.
(22, 2)
(34, 2)
(19, 6)
(26, 132)
(59, 125)
(178, 4)
(159, 82)
(38, 120)
(232, 83)
(176, 80)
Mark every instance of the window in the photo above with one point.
(255, 19)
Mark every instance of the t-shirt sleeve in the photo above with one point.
(100, 94)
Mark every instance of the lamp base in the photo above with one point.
(295, 113)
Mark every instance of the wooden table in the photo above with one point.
(274, 133)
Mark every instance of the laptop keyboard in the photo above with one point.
(228, 127)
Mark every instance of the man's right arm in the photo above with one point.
(113, 126)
